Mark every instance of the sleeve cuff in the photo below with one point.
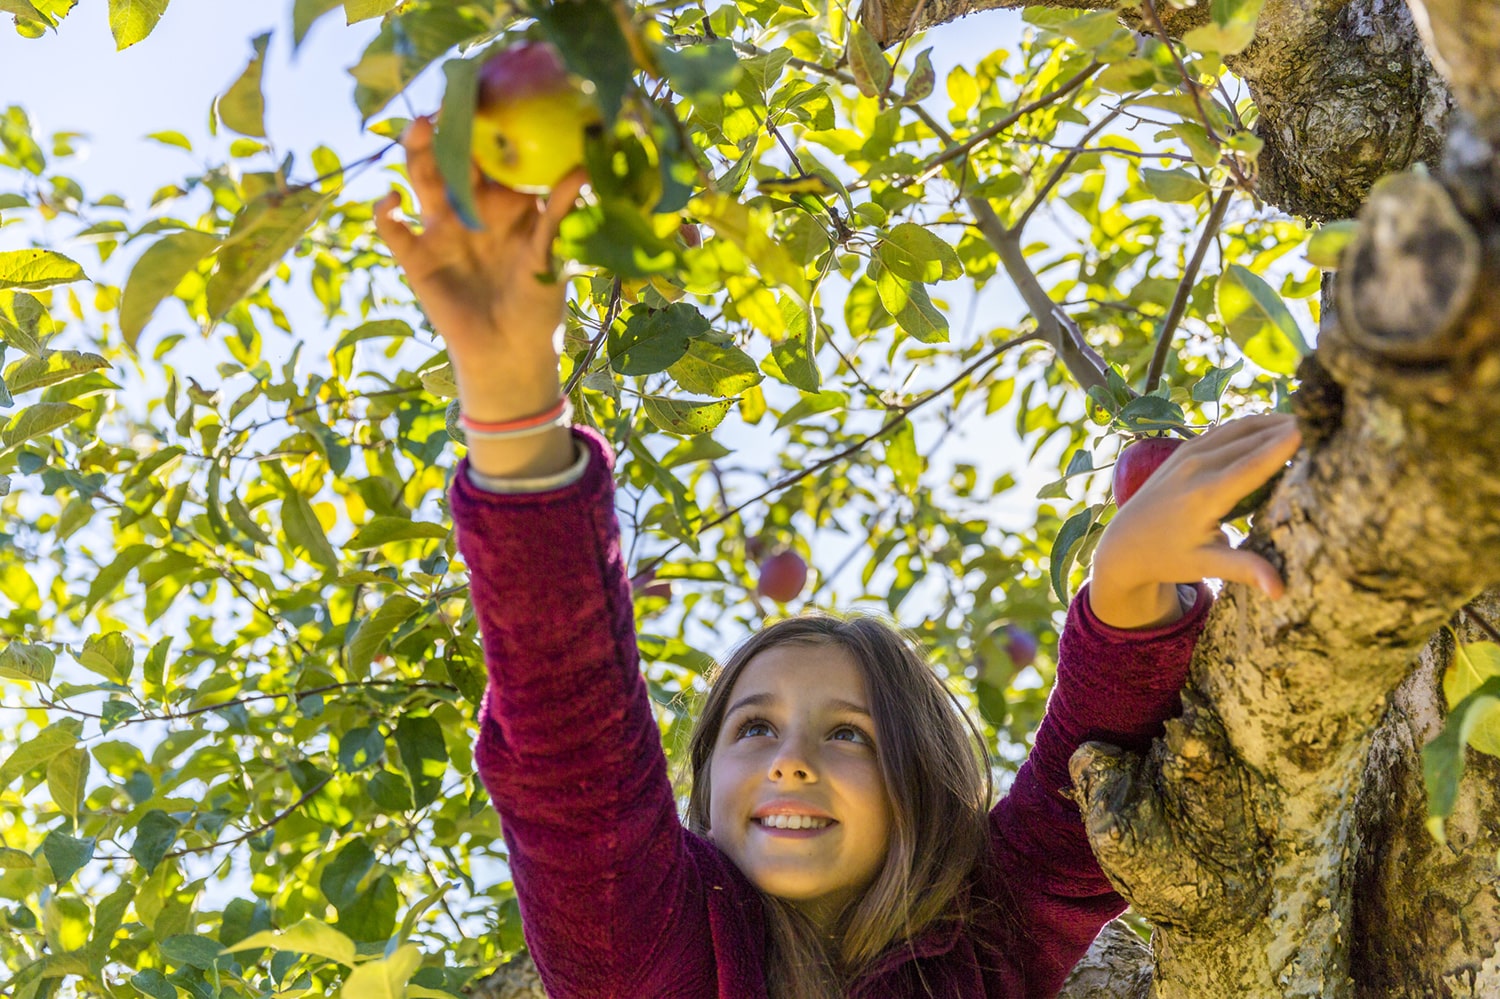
(540, 484)
(1195, 599)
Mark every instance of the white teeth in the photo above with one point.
(793, 822)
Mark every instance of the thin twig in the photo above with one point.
(901, 413)
(610, 314)
(1184, 290)
(1062, 170)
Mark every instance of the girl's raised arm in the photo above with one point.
(568, 745)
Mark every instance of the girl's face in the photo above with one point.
(797, 748)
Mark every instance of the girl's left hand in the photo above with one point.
(1169, 532)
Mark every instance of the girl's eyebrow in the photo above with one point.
(764, 699)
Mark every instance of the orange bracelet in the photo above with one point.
(559, 415)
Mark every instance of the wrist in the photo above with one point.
(499, 390)
(1134, 608)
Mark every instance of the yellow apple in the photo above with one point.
(530, 118)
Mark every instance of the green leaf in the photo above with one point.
(917, 254)
(40, 748)
(711, 367)
(702, 71)
(66, 855)
(872, 72)
(1211, 386)
(309, 936)
(34, 270)
(67, 779)
(193, 950)
(154, 836)
(909, 303)
(384, 530)
(1472, 665)
(154, 984)
(795, 354)
(375, 328)
(112, 575)
(265, 231)
(1443, 757)
(372, 917)
(170, 138)
(1326, 246)
(645, 340)
(452, 146)
(304, 530)
(1231, 30)
(405, 47)
(1065, 548)
(243, 106)
(340, 880)
(1151, 412)
(1259, 321)
(1204, 150)
(390, 791)
(363, 10)
(678, 416)
(375, 629)
(32, 663)
(111, 655)
(589, 39)
(12, 859)
(304, 14)
(753, 233)
(157, 274)
(130, 21)
(424, 756)
(39, 420)
(920, 83)
(54, 368)
(384, 978)
(901, 454)
(1173, 185)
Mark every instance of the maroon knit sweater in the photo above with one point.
(619, 900)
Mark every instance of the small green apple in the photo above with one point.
(530, 118)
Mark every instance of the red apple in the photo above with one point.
(1020, 645)
(1138, 461)
(782, 576)
(530, 118)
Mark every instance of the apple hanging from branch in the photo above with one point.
(1138, 461)
(530, 118)
(782, 576)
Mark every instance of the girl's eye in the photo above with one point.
(753, 727)
(848, 733)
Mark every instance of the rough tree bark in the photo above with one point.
(1345, 90)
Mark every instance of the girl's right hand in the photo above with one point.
(491, 294)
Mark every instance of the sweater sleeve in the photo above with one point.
(1112, 686)
(568, 746)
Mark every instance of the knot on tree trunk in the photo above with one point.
(1406, 293)
(1173, 829)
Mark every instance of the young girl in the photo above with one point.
(837, 841)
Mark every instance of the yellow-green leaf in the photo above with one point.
(1258, 320)
(362, 10)
(132, 20)
(33, 270)
(54, 367)
(384, 530)
(677, 416)
(306, 937)
(265, 231)
(243, 106)
(384, 978)
(917, 254)
(713, 368)
(157, 274)
(375, 629)
(1473, 664)
(67, 777)
(38, 421)
(1327, 244)
(872, 73)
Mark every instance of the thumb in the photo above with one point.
(1235, 565)
(559, 203)
(397, 234)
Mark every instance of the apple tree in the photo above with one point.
(814, 282)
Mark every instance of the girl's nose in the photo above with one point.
(792, 763)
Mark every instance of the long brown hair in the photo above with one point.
(936, 774)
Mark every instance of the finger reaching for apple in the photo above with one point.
(1170, 531)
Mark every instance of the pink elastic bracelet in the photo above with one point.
(559, 415)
